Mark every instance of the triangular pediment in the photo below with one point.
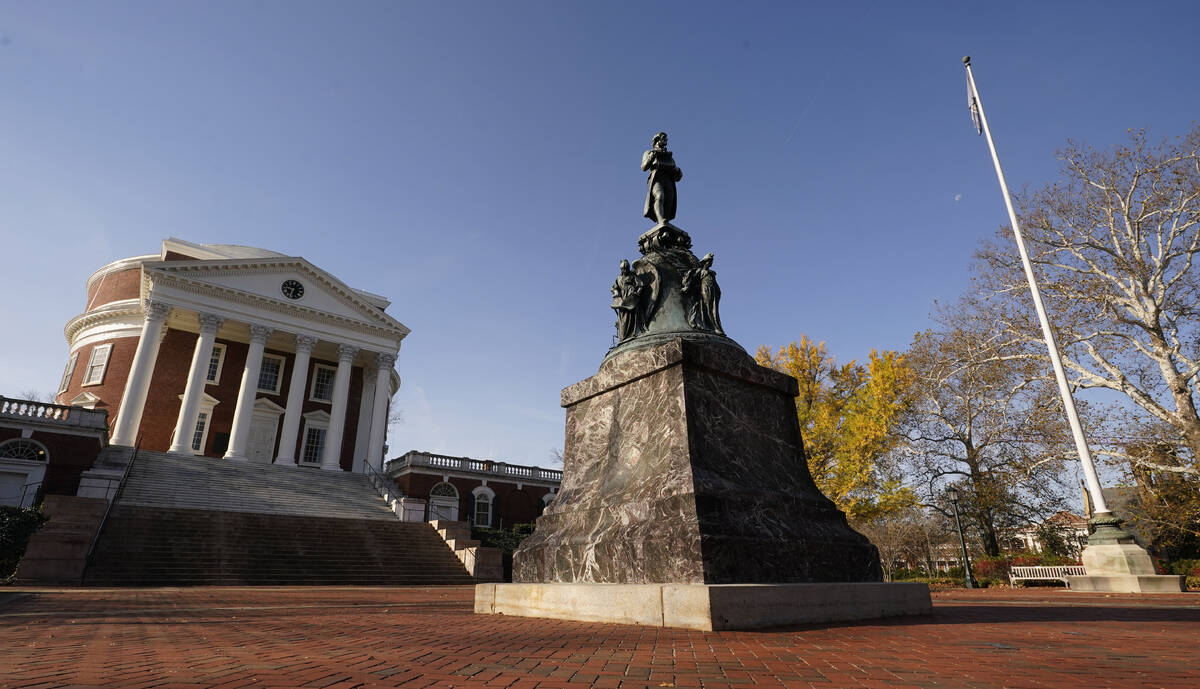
(287, 282)
(263, 405)
(84, 399)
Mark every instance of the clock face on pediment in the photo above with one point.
(292, 289)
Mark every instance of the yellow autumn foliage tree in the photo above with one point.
(847, 413)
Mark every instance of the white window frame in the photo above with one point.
(278, 379)
(206, 406)
(312, 390)
(489, 496)
(218, 351)
(316, 420)
(203, 424)
(87, 373)
(67, 373)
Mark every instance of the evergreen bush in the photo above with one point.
(17, 524)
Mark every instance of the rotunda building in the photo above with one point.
(236, 352)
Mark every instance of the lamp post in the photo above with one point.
(968, 579)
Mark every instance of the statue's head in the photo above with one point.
(707, 260)
(624, 265)
(659, 140)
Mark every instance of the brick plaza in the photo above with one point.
(342, 637)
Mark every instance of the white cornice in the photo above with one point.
(110, 312)
(186, 275)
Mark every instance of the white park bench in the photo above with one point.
(1060, 572)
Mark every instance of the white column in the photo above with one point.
(248, 391)
(295, 401)
(129, 418)
(332, 457)
(383, 375)
(190, 407)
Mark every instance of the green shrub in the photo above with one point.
(17, 524)
(507, 540)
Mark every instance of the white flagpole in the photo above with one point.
(1099, 507)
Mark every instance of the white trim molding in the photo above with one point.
(218, 353)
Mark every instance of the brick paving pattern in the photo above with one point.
(343, 637)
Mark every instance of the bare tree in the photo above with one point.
(984, 423)
(1113, 243)
(35, 395)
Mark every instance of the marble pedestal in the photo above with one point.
(683, 465)
(1122, 568)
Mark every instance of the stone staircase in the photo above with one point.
(159, 479)
(195, 520)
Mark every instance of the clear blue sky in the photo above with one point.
(477, 162)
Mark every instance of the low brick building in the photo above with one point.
(482, 492)
(45, 448)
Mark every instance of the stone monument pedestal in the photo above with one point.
(1122, 566)
(687, 501)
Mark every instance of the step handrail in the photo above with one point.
(375, 478)
(87, 560)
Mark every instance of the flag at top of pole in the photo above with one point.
(1064, 389)
(973, 100)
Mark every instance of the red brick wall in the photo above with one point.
(122, 284)
(112, 385)
(166, 385)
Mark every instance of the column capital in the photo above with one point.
(210, 323)
(156, 309)
(260, 333)
(346, 353)
(384, 360)
(305, 343)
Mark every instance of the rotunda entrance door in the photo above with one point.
(260, 447)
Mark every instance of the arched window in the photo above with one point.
(483, 510)
(22, 448)
(485, 499)
(444, 490)
(22, 468)
(443, 502)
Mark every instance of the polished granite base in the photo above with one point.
(705, 607)
(683, 464)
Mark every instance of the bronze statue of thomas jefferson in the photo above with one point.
(660, 193)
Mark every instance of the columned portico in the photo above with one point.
(190, 406)
(288, 352)
(295, 400)
(331, 458)
(129, 418)
(384, 363)
(247, 392)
